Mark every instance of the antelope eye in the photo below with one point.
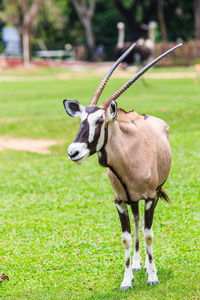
(100, 121)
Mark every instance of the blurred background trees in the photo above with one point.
(94, 22)
(85, 11)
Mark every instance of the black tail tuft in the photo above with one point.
(163, 195)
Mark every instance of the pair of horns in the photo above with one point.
(102, 85)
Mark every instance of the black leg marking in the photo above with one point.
(149, 212)
(136, 217)
(123, 216)
(137, 245)
(148, 237)
(136, 266)
(126, 241)
(128, 263)
(150, 257)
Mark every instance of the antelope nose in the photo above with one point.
(73, 151)
(73, 154)
(78, 152)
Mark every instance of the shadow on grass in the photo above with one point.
(140, 287)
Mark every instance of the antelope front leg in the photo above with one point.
(136, 264)
(126, 241)
(148, 237)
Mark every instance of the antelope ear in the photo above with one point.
(112, 111)
(73, 108)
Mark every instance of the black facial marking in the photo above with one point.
(91, 109)
(83, 133)
(93, 145)
(103, 154)
(84, 130)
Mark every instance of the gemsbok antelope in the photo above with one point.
(135, 149)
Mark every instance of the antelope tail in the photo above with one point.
(163, 195)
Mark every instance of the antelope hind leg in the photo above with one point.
(148, 238)
(136, 264)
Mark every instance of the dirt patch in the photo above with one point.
(9, 120)
(170, 75)
(37, 146)
(97, 73)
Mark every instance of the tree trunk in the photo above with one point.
(90, 40)
(129, 16)
(85, 14)
(162, 20)
(197, 18)
(26, 47)
(29, 13)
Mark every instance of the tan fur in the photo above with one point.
(149, 240)
(126, 117)
(138, 151)
(126, 243)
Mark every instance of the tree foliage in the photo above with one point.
(85, 11)
(52, 21)
(58, 23)
(136, 13)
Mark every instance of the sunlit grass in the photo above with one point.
(59, 229)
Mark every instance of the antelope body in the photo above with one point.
(135, 149)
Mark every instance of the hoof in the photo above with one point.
(136, 269)
(152, 283)
(124, 288)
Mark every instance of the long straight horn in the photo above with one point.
(134, 78)
(102, 85)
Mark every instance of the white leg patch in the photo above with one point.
(128, 275)
(122, 207)
(149, 262)
(148, 205)
(136, 264)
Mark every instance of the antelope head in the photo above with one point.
(92, 135)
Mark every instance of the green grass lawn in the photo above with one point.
(60, 235)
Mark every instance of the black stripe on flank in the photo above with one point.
(123, 184)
